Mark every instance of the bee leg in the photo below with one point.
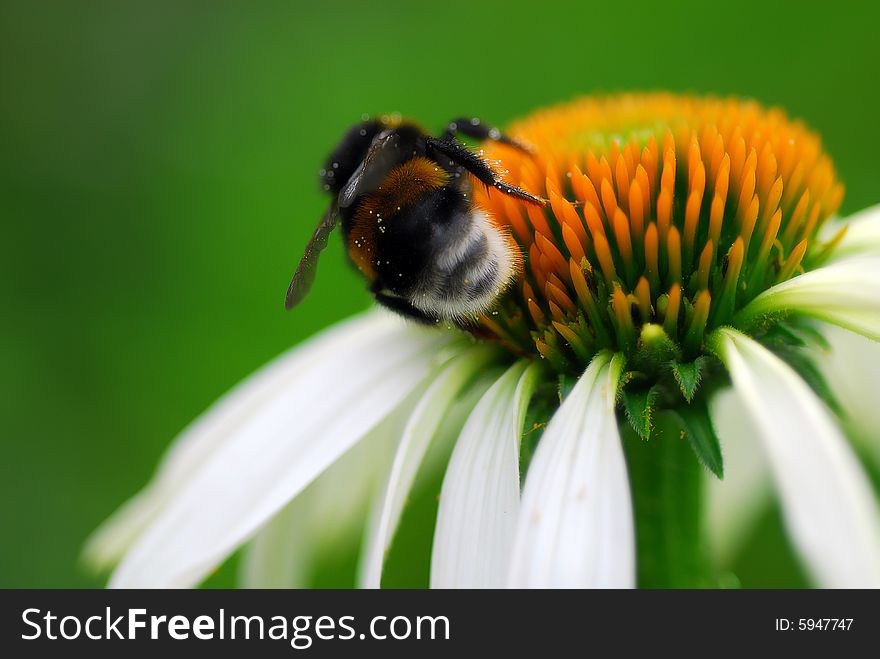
(476, 129)
(462, 156)
(404, 308)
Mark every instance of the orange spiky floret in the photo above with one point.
(665, 209)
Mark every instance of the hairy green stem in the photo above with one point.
(667, 484)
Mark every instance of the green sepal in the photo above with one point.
(688, 376)
(545, 401)
(639, 407)
(565, 385)
(806, 329)
(802, 363)
(782, 335)
(795, 332)
(698, 430)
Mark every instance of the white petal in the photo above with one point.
(416, 437)
(862, 234)
(440, 450)
(734, 504)
(845, 293)
(575, 526)
(217, 425)
(275, 452)
(827, 502)
(281, 554)
(852, 368)
(479, 501)
(106, 546)
(327, 515)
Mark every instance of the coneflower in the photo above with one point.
(688, 245)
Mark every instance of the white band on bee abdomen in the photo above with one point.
(469, 274)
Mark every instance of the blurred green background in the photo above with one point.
(158, 183)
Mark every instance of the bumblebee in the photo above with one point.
(409, 224)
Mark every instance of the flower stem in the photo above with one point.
(668, 497)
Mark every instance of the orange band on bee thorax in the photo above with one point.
(403, 186)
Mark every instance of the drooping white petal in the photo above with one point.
(106, 546)
(734, 503)
(845, 293)
(440, 449)
(327, 515)
(479, 500)
(275, 452)
(828, 505)
(330, 513)
(281, 554)
(416, 437)
(221, 422)
(575, 526)
(852, 368)
(862, 233)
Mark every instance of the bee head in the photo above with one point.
(349, 154)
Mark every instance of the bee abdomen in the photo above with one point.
(466, 277)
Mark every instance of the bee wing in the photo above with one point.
(369, 174)
(308, 265)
